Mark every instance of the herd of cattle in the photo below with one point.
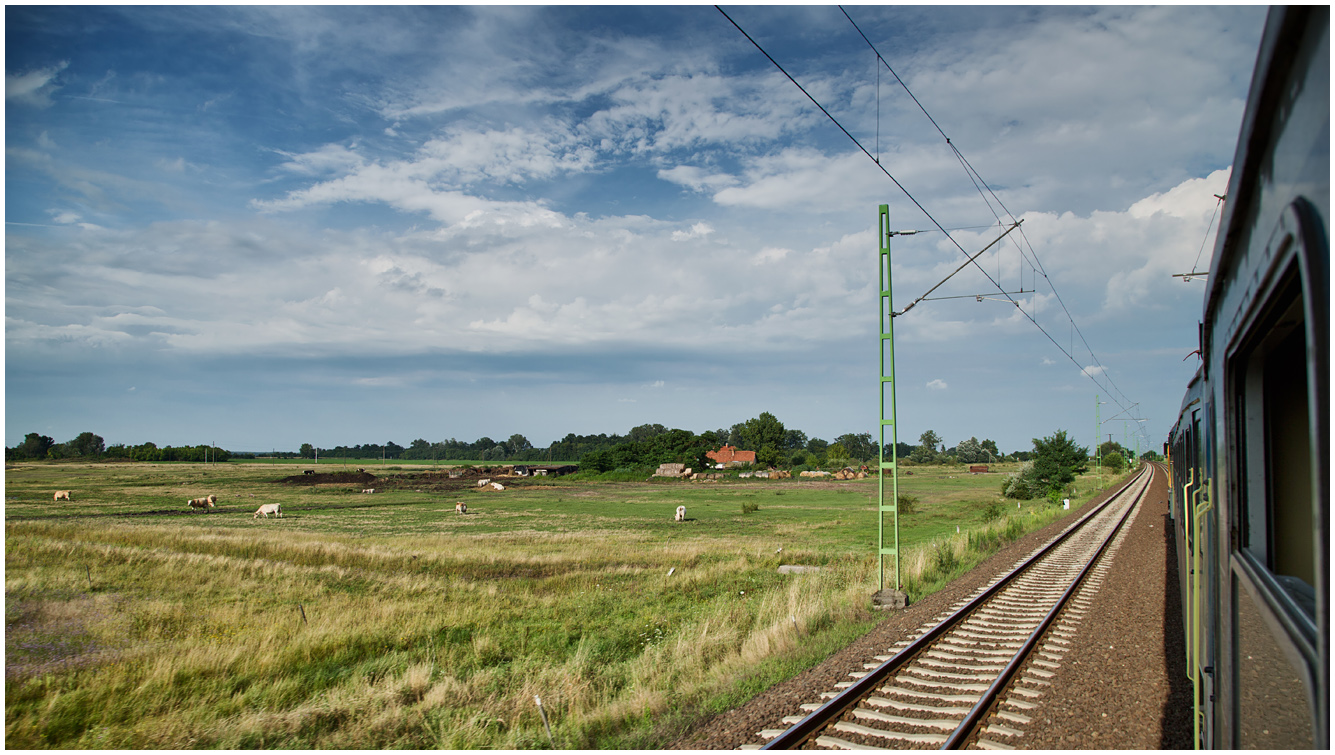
(210, 502)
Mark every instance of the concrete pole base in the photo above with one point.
(889, 600)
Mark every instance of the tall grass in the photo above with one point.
(929, 566)
(201, 639)
(404, 626)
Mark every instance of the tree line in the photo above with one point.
(90, 445)
(645, 445)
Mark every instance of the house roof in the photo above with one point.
(729, 454)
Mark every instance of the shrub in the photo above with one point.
(750, 506)
(1114, 462)
(993, 512)
(1022, 485)
(943, 558)
(908, 504)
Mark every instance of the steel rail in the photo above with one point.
(801, 731)
(980, 710)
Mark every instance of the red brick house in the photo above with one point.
(729, 456)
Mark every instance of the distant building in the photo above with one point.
(729, 456)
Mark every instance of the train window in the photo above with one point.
(1278, 519)
(1272, 700)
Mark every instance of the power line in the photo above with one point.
(980, 184)
(930, 217)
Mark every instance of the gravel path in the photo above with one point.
(1136, 642)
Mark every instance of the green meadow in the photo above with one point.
(389, 620)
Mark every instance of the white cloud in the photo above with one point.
(34, 87)
(937, 385)
(769, 255)
(696, 179)
(1093, 370)
(698, 231)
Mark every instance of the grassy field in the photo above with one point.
(391, 621)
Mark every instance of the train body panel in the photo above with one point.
(1249, 452)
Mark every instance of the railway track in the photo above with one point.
(972, 676)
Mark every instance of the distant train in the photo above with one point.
(1249, 454)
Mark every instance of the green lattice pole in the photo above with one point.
(1098, 433)
(886, 316)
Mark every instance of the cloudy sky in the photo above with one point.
(264, 226)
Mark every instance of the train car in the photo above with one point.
(1249, 453)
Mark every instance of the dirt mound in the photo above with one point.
(319, 478)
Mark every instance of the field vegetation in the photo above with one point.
(388, 620)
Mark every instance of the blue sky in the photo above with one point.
(263, 226)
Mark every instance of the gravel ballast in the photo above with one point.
(1121, 686)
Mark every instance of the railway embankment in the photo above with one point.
(1121, 686)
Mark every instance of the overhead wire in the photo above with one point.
(980, 184)
(1098, 368)
(1213, 215)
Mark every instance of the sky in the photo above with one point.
(266, 226)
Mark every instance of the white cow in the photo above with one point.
(461, 507)
(498, 486)
(681, 513)
(267, 509)
(61, 495)
(484, 483)
(368, 491)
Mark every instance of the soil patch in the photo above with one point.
(323, 478)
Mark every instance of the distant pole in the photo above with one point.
(1098, 433)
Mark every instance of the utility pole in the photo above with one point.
(887, 598)
(1098, 430)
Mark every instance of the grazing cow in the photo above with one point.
(213, 499)
(267, 509)
(201, 503)
(61, 495)
(308, 471)
(461, 507)
(498, 486)
(681, 513)
(361, 469)
(484, 483)
(368, 491)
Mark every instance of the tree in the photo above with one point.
(34, 446)
(87, 444)
(836, 454)
(1111, 447)
(1114, 462)
(518, 443)
(735, 436)
(794, 439)
(645, 432)
(816, 446)
(990, 446)
(972, 452)
(307, 451)
(1057, 460)
(859, 446)
(762, 431)
(926, 452)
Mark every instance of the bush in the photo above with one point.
(1114, 462)
(993, 512)
(908, 504)
(750, 506)
(943, 558)
(1021, 485)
